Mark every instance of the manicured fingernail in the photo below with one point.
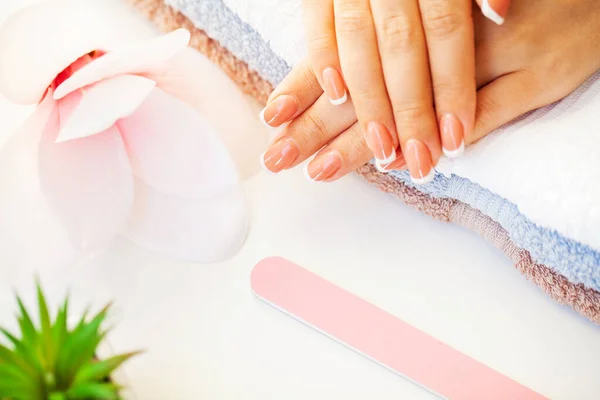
(323, 167)
(418, 159)
(380, 142)
(279, 111)
(453, 136)
(397, 164)
(280, 155)
(495, 10)
(334, 86)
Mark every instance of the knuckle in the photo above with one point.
(452, 90)
(321, 44)
(410, 115)
(357, 146)
(317, 128)
(398, 32)
(352, 17)
(441, 19)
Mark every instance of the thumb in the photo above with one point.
(503, 100)
(494, 10)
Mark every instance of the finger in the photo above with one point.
(343, 155)
(503, 100)
(406, 66)
(360, 60)
(308, 133)
(298, 91)
(495, 10)
(451, 47)
(319, 21)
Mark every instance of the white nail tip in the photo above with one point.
(306, 174)
(380, 167)
(262, 163)
(261, 116)
(490, 14)
(340, 101)
(424, 180)
(455, 153)
(389, 159)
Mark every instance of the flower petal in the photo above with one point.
(24, 216)
(41, 40)
(132, 60)
(194, 79)
(103, 104)
(176, 151)
(199, 230)
(87, 183)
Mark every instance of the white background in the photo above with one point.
(207, 337)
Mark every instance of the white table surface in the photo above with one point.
(207, 337)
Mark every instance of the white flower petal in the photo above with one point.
(104, 103)
(176, 151)
(24, 215)
(87, 183)
(133, 60)
(40, 41)
(199, 230)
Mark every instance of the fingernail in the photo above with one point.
(453, 136)
(279, 111)
(380, 142)
(495, 10)
(334, 86)
(323, 167)
(418, 159)
(399, 163)
(280, 155)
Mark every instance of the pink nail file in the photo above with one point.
(379, 335)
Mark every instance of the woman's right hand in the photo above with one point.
(544, 51)
(409, 68)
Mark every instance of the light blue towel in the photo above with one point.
(577, 262)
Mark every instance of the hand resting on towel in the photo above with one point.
(544, 51)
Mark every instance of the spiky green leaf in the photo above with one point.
(46, 330)
(10, 388)
(26, 356)
(15, 372)
(10, 357)
(60, 330)
(96, 371)
(93, 391)
(57, 396)
(11, 338)
(80, 346)
(28, 331)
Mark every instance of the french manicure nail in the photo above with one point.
(323, 167)
(495, 10)
(279, 111)
(280, 155)
(418, 159)
(453, 136)
(380, 142)
(334, 86)
(399, 163)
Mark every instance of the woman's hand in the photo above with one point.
(542, 53)
(397, 59)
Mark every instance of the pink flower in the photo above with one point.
(118, 153)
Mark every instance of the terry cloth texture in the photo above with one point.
(582, 299)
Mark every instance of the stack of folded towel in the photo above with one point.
(532, 188)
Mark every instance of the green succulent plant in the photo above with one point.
(55, 362)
